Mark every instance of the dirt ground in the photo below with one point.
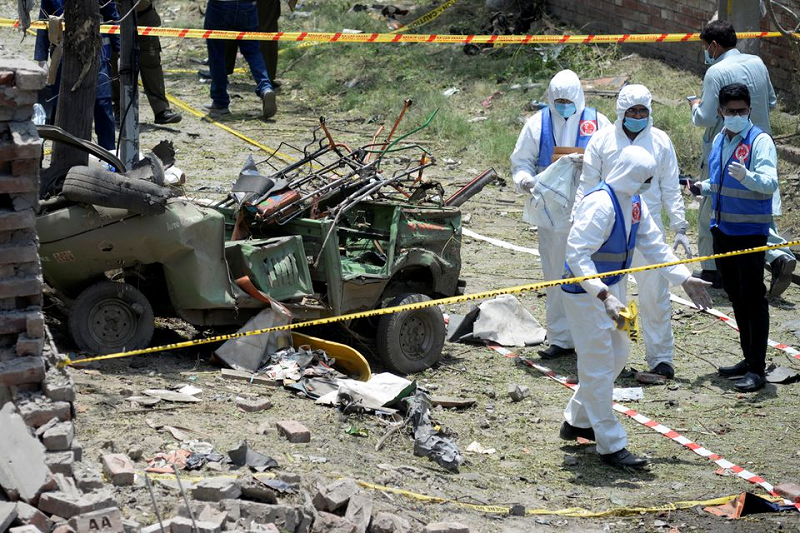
(530, 466)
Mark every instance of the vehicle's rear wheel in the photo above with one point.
(110, 317)
(411, 341)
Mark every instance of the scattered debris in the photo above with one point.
(476, 447)
(253, 405)
(427, 441)
(293, 431)
(216, 489)
(648, 378)
(518, 392)
(450, 92)
(502, 320)
(171, 396)
(447, 401)
(242, 455)
(782, 374)
(631, 394)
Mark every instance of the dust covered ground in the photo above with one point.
(530, 466)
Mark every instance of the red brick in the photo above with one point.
(118, 469)
(24, 167)
(293, 431)
(790, 491)
(7, 78)
(20, 287)
(9, 184)
(11, 220)
(12, 322)
(19, 253)
(22, 370)
(41, 410)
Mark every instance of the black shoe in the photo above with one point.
(782, 269)
(204, 74)
(712, 276)
(554, 351)
(268, 105)
(624, 458)
(168, 116)
(664, 369)
(735, 371)
(570, 432)
(751, 382)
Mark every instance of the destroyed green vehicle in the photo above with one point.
(212, 265)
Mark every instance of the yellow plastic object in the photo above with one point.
(348, 360)
(631, 325)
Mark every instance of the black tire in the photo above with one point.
(411, 341)
(101, 187)
(110, 317)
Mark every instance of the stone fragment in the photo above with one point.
(24, 529)
(131, 526)
(285, 517)
(330, 523)
(518, 392)
(59, 437)
(103, 521)
(77, 450)
(212, 515)
(8, 513)
(38, 409)
(336, 495)
(389, 523)
(182, 524)
(445, 527)
(118, 469)
(157, 527)
(254, 490)
(135, 453)
(216, 489)
(359, 512)
(293, 431)
(23, 474)
(28, 515)
(27, 346)
(253, 405)
(58, 386)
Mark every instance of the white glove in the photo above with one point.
(613, 309)
(528, 183)
(682, 240)
(695, 289)
(737, 170)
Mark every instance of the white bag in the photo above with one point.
(554, 193)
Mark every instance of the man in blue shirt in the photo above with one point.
(728, 65)
(743, 177)
(103, 109)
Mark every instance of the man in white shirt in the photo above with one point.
(634, 127)
(565, 122)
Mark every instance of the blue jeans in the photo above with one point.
(233, 16)
(104, 123)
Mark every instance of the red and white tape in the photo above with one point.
(652, 424)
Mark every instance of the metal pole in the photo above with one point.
(129, 95)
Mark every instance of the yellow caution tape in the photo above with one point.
(422, 305)
(577, 512)
(340, 37)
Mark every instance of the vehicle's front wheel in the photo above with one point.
(412, 340)
(110, 317)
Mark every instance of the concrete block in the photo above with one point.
(77, 450)
(518, 392)
(8, 513)
(293, 431)
(330, 523)
(445, 527)
(181, 524)
(118, 469)
(389, 523)
(254, 405)
(22, 370)
(23, 473)
(12, 220)
(790, 491)
(216, 489)
(359, 512)
(28, 515)
(103, 521)
(60, 462)
(59, 437)
(286, 517)
(336, 495)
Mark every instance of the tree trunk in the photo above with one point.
(76, 95)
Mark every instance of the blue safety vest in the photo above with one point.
(735, 209)
(547, 141)
(617, 252)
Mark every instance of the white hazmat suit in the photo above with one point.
(602, 153)
(603, 349)
(564, 85)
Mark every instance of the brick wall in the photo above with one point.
(657, 16)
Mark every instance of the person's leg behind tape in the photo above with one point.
(247, 20)
(552, 246)
(151, 70)
(655, 318)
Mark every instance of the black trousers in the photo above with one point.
(743, 280)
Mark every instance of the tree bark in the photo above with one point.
(76, 95)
